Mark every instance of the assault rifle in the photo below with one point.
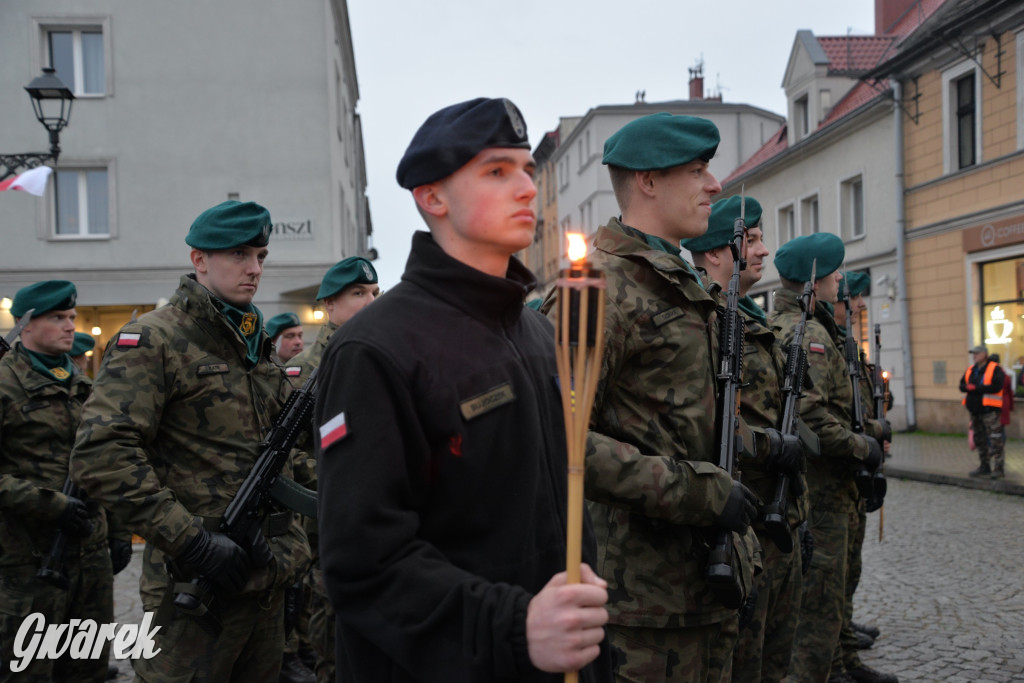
(775, 523)
(721, 575)
(5, 342)
(863, 477)
(52, 569)
(879, 390)
(243, 519)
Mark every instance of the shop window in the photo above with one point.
(1000, 317)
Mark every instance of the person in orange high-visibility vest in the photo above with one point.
(982, 385)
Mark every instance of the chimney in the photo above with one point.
(697, 82)
(888, 12)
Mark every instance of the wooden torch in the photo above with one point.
(579, 338)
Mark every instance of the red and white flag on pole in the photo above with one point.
(32, 181)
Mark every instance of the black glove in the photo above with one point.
(785, 454)
(120, 553)
(75, 518)
(878, 489)
(886, 430)
(219, 559)
(874, 457)
(806, 546)
(739, 509)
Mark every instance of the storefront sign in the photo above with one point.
(293, 230)
(994, 234)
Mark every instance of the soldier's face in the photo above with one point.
(756, 253)
(289, 343)
(686, 192)
(233, 275)
(827, 288)
(485, 209)
(52, 333)
(349, 301)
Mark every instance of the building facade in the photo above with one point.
(177, 110)
(961, 90)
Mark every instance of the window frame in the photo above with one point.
(42, 26)
(846, 220)
(47, 227)
(788, 227)
(805, 203)
(950, 129)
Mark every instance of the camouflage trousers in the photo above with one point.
(846, 656)
(297, 633)
(989, 438)
(248, 650)
(824, 593)
(90, 595)
(321, 627)
(766, 642)
(699, 654)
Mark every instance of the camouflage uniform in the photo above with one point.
(652, 483)
(766, 641)
(38, 419)
(826, 408)
(167, 437)
(320, 628)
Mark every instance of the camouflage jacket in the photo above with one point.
(173, 426)
(651, 471)
(38, 419)
(761, 405)
(310, 357)
(827, 405)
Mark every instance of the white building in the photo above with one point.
(585, 197)
(178, 109)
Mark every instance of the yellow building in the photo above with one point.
(960, 83)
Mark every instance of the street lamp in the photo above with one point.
(49, 89)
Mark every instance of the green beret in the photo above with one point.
(794, 258)
(859, 283)
(281, 322)
(720, 225)
(49, 295)
(83, 342)
(230, 224)
(452, 136)
(661, 141)
(344, 273)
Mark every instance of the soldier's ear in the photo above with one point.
(199, 260)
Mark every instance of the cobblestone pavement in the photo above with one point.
(945, 586)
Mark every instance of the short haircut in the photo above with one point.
(791, 285)
(622, 179)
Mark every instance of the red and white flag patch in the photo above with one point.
(815, 347)
(128, 339)
(293, 371)
(333, 430)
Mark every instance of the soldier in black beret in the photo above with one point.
(442, 462)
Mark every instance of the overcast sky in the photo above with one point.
(555, 58)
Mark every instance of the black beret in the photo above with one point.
(661, 141)
(720, 225)
(449, 138)
(48, 295)
(230, 224)
(794, 258)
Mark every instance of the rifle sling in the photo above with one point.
(294, 496)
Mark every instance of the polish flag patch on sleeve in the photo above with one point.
(815, 347)
(333, 431)
(128, 339)
(293, 371)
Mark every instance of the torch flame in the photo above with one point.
(577, 246)
(885, 374)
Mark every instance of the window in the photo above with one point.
(77, 55)
(82, 202)
(825, 97)
(809, 215)
(851, 203)
(961, 113)
(787, 225)
(802, 117)
(999, 321)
